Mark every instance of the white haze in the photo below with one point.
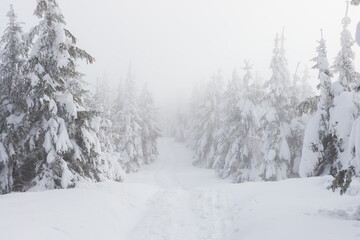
(174, 44)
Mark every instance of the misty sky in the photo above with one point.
(173, 44)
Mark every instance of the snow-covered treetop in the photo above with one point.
(344, 61)
(54, 53)
(49, 7)
(13, 52)
(325, 75)
(52, 27)
(12, 38)
(279, 81)
(11, 14)
(321, 60)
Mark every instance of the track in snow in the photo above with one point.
(193, 204)
(186, 206)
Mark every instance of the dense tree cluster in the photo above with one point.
(278, 129)
(53, 132)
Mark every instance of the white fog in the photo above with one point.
(179, 119)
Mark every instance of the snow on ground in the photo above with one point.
(172, 200)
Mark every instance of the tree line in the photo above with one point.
(250, 130)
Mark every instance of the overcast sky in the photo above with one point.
(174, 44)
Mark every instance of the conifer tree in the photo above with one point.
(13, 108)
(229, 116)
(112, 164)
(61, 146)
(149, 129)
(275, 121)
(207, 121)
(320, 150)
(344, 111)
(240, 131)
(116, 116)
(196, 99)
(344, 61)
(128, 125)
(347, 165)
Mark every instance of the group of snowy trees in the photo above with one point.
(253, 130)
(249, 130)
(53, 132)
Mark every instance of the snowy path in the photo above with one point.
(172, 200)
(193, 204)
(185, 207)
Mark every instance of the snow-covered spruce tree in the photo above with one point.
(191, 115)
(100, 101)
(150, 132)
(276, 120)
(344, 110)
(320, 151)
(61, 146)
(207, 122)
(116, 116)
(252, 113)
(344, 61)
(128, 126)
(227, 129)
(344, 177)
(13, 108)
(239, 149)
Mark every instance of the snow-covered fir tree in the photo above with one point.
(344, 110)
(276, 119)
(13, 68)
(150, 132)
(344, 61)
(61, 146)
(116, 116)
(228, 128)
(320, 150)
(100, 101)
(190, 115)
(238, 151)
(128, 125)
(327, 147)
(206, 122)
